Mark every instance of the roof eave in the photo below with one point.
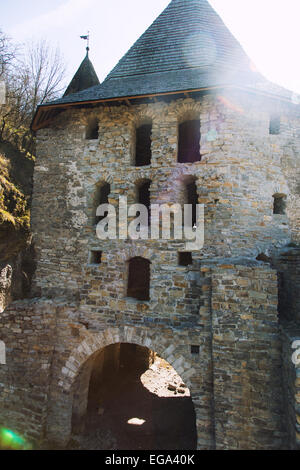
(38, 122)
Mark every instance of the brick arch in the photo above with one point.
(135, 250)
(92, 188)
(93, 184)
(88, 117)
(127, 334)
(139, 176)
(281, 188)
(187, 110)
(97, 177)
(99, 113)
(142, 115)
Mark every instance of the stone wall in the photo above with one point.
(246, 358)
(291, 380)
(234, 381)
(240, 171)
(27, 329)
(5, 286)
(288, 266)
(225, 302)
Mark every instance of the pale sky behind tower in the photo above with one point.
(268, 30)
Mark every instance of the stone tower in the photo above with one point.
(182, 118)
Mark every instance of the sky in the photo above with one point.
(268, 30)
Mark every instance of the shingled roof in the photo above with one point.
(187, 48)
(84, 78)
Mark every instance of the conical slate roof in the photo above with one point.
(84, 78)
(187, 48)
(188, 34)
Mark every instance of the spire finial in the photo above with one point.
(87, 39)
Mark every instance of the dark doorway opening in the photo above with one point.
(189, 141)
(138, 286)
(192, 199)
(92, 129)
(143, 196)
(136, 401)
(143, 145)
(185, 258)
(102, 194)
(279, 205)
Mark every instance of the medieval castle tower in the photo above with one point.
(182, 118)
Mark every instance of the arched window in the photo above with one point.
(143, 144)
(101, 197)
(92, 129)
(138, 285)
(189, 141)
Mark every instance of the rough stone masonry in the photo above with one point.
(243, 383)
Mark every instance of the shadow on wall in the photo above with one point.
(135, 401)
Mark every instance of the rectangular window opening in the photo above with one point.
(279, 206)
(195, 349)
(189, 141)
(185, 258)
(96, 257)
(143, 145)
(274, 128)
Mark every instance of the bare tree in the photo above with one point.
(36, 77)
(43, 72)
(7, 53)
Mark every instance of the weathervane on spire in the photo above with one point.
(87, 39)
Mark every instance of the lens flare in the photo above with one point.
(9, 440)
(205, 46)
(226, 102)
(212, 135)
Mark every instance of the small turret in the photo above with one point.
(84, 78)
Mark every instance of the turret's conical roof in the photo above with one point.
(188, 34)
(187, 47)
(84, 78)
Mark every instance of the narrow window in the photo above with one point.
(195, 349)
(139, 279)
(274, 128)
(192, 199)
(143, 195)
(189, 141)
(92, 129)
(103, 192)
(143, 145)
(279, 205)
(96, 257)
(185, 258)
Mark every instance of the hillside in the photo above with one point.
(16, 171)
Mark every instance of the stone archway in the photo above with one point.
(74, 369)
(127, 334)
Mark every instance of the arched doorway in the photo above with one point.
(127, 397)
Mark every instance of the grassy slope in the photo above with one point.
(16, 171)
